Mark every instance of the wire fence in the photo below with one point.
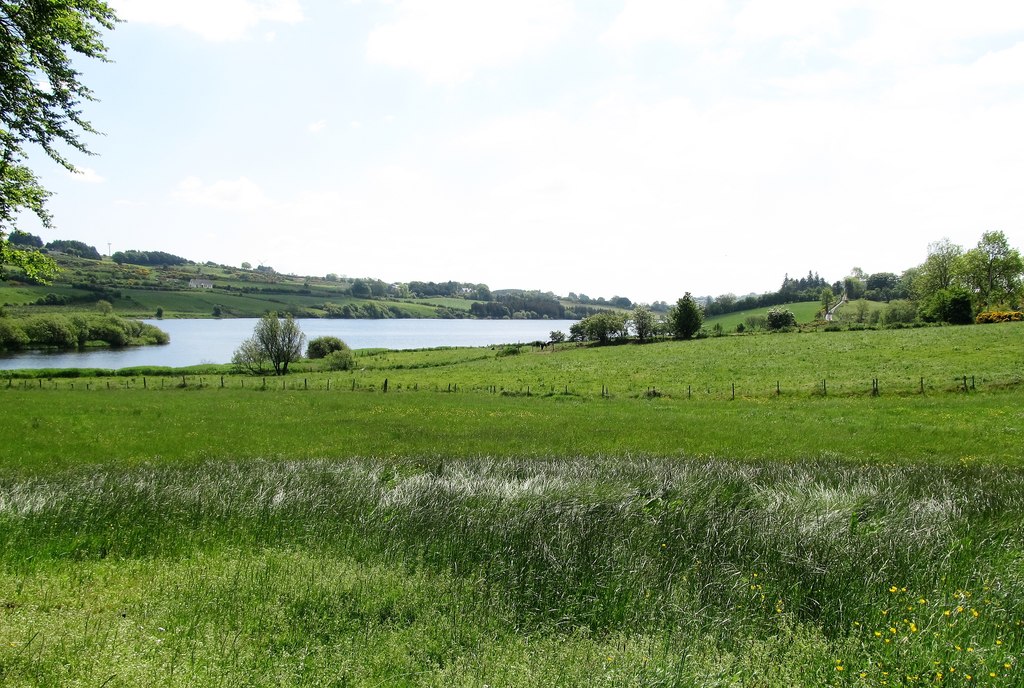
(759, 389)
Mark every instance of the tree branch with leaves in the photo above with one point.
(41, 99)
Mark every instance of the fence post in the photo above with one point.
(385, 385)
(922, 385)
(305, 383)
(734, 391)
(144, 385)
(824, 387)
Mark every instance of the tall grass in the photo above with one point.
(683, 572)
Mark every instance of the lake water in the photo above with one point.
(214, 341)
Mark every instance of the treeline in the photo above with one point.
(515, 304)
(157, 258)
(879, 286)
(71, 247)
(76, 331)
(613, 302)
(450, 289)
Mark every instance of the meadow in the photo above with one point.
(608, 528)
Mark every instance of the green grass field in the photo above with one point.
(804, 311)
(226, 536)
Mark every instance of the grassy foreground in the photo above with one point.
(229, 537)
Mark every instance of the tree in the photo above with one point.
(40, 104)
(274, 340)
(826, 299)
(685, 317)
(939, 270)
(246, 265)
(361, 290)
(853, 285)
(643, 322)
(993, 271)
(603, 327)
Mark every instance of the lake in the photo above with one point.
(195, 341)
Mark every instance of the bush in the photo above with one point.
(1000, 316)
(12, 336)
(756, 322)
(954, 306)
(55, 331)
(341, 359)
(900, 312)
(779, 318)
(322, 346)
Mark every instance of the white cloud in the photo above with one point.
(317, 126)
(449, 41)
(87, 175)
(695, 24)
(918, 32)
(238, 195)
(214, 20)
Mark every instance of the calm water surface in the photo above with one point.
(213, 341)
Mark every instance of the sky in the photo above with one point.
(638, 148)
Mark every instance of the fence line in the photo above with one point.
(960, 384)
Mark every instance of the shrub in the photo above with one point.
(54, 330)
(756, 322)
(778, 318)
(953, 305)
(322, 346)
(12, 336)
(900, 312)
(1000, 316)
(340, 359)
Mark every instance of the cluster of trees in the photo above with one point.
(367, 311)
(514, 303)
(70, 247)
(75, 331)
(954, 285)
(683, 321)
(25, 240)
(807, 288)
(277, 342)
(613, 302)
(468, 290)
(148, 258)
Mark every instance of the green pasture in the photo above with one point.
(625, 523)
(804, 311)
(64, 428)
(903, 362)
